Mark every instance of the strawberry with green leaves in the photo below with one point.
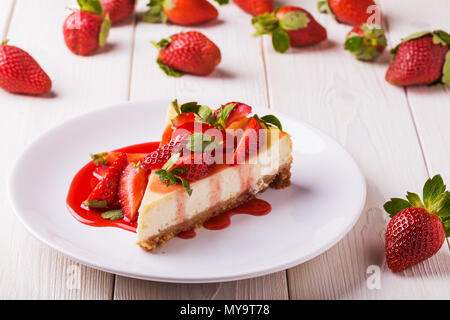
(418, 228)
(107, 158)
(187, 52)
(86, 30)
(421, 59)
(366, 42)
(182, 12)
(118, 10)
(20, 73)
(352, 12)
(289, 26)
(255, 7)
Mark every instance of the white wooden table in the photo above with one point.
(398, 136)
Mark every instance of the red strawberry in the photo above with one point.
(157, 158)
(248, 143)
(352, 12)
(100, 172)
(255, 7)
(290, 26)
(85, 30)
(417, 229)
(105, 192)
(187, 52)
(133, 183)
(107, 158)
(118, 10)
(197, 166)
(366, 42)
(182, 119)
(421, 59)
(20, 73)
(182, 12)
(239, 110)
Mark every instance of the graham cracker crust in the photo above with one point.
(279, 181)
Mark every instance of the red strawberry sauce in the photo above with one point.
(84, 181)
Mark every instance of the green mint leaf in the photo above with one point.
(272, 120)
(112, 215)
(222, 2)
(186, 185)
(168, 70)
(294, 20)
(99, 158)
(93, 6)
(206, 115)
(200, 142)
(414, 199)
(96, 203)
(395, 205)
(432, 189)
(264, 24)
(190, 107)
(161, 44)
(224, 113)
(280, 40)
(446, 70)
(104, 31)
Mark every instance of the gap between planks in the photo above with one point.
(8, 21)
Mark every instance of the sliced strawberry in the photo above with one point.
(157, 158)
(133, 183)
(182, 119)
(107, 158)
(239, 111)
(197, 165)
(248, 142)
(105, 192)
(100, 172)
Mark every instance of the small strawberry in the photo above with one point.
(182, 12)
(366, 42)
(157, 158)
(255, 7)
(104, 194)
(290, 26)
(417, 229)
(133, 183)
(421, 59)
(107, 158)
(238, 111)
(187, 52)
(86, 29)
(352, 12)
(118, 10)
(20, 73)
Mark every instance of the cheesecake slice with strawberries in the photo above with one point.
(209, 161)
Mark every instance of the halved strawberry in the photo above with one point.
(107, 158)
(131, 190)
(157, 158)
(248, 142)
(105, 192)
(238, 111)
(100, 172)
(197, 166)
(182, 119)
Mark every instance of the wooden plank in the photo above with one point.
(80, 84)
(241, 60)
(327, 87)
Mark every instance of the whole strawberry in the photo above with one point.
(289, 26)
(366, 42)
(118, 10)
(182, 12)
(255, 7)
(352, 12)
(86, 29)
(421, 59)
(187, 52)
(20, 73)
(417, 229)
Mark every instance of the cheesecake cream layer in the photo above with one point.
(163, 208)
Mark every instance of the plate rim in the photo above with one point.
(226, 278)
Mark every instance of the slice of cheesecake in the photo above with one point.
(169, 208)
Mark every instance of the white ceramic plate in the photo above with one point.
(322, 205)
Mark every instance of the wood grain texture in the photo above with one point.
(240, 76)
(32, 270)
(324, 85)
(6, 11)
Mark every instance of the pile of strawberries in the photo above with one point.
(189, 150)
